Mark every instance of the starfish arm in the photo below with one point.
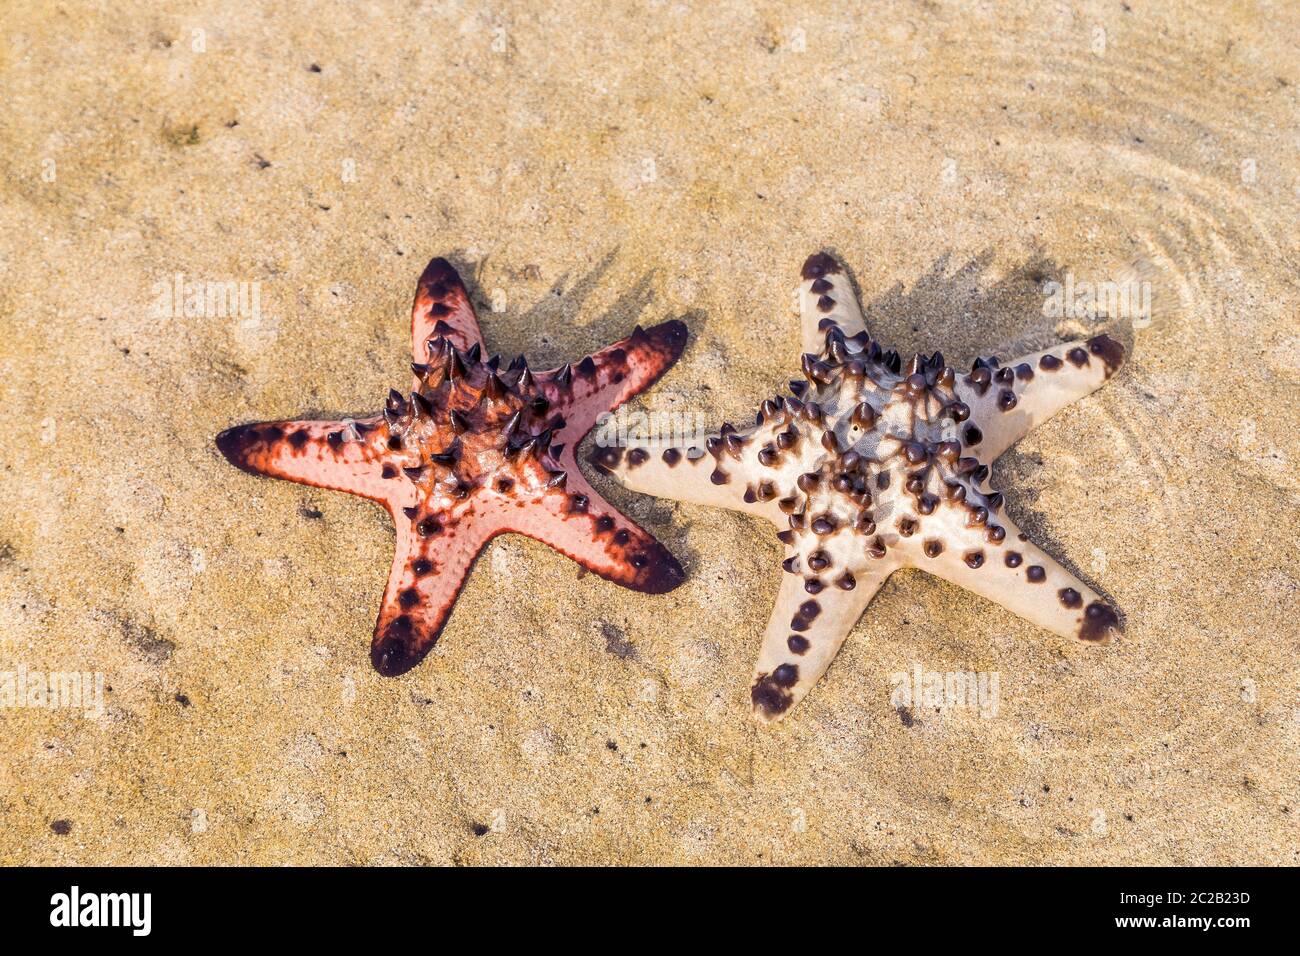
(1024, 579)
(826, 295)
(754, 471)
(673, 473)
(606, 379)
(432, 558)
(442, 308)
(577, 522)
(803, 636)
(345, 455)
(1005, 403)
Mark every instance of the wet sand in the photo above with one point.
(587, 174)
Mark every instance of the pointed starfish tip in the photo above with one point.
(669, 336)
(236, 444)
(674, 330)
(394, 651)
(770, 697)
(439, 269)
(660, 573)
(605, 458)
(1100, 624)
(819, 264)
(1108, 350)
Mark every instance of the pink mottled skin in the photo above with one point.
(472, 452)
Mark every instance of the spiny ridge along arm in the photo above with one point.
(604, 380)
(1015, 573)
(442, 308)
(1007, 401)
(344, 455)
(803, 636)
(579, 523)
(826, 300)
(690, 474)
(434, 553)
(750, 471)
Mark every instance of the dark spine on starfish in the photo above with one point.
(770, 692)
(1108, 350)
(397, 647)
(1099, 622)
(395, 409)
(819, 264)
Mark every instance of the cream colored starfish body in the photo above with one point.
(875, 464)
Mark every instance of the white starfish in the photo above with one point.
(874, 464)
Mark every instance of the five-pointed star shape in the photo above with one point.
(472, 452)
(875, 464)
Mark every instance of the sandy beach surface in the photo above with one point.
(588, 171)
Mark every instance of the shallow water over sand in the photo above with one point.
(588, 174)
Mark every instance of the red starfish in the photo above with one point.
(474, 452)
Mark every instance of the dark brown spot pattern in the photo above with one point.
(826, 452)
(769, 697)
(804, 617)
(1108, 350)
(787, 675)
(819, 264)
(1098, 621)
